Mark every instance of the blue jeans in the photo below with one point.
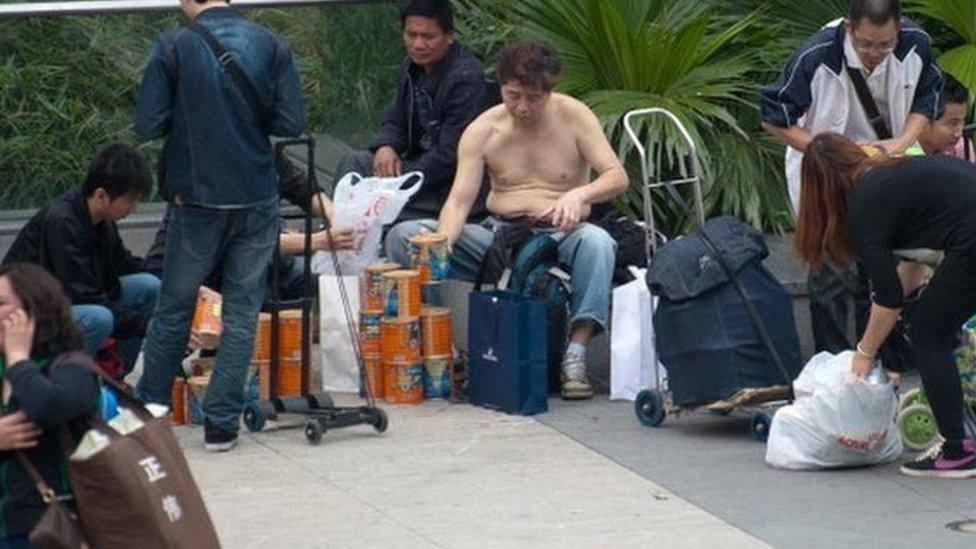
(589, 251)
(241, 242)
(97, 322)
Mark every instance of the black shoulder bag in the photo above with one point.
(236, 73)
(868, 103)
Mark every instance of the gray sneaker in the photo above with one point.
(575, 386)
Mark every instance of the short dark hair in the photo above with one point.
(954, 91)
(438, 10)
(878, 12)
(120, 170)
(531, 63)
(45, 302)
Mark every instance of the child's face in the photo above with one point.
(945, 132)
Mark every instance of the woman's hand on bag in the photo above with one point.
(18, 336)
(16, 433)
(861, 365)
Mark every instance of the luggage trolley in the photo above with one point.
(654, 404)
(318, 407)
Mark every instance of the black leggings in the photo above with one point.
(945, 305)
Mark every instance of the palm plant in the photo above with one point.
(959, 58)
(623, 54)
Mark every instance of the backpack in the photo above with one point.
(529, 265)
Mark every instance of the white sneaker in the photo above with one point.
(575, 386)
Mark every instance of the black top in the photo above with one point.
(87, 259)
(921, 202)
(63, 393)
(456, 93)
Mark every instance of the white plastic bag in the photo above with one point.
(340, 371)
(837, 420)
(632, 354)
(365, 204)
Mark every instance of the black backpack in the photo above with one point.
(526, 263)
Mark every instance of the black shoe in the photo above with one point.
(934, 464)
(218, 440)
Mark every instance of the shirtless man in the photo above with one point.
(539, 149)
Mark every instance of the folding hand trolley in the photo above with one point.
(318, 407)
(654, 404)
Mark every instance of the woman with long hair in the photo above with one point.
(45, 387)
(858, 204)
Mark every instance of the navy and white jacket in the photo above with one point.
(815, 92)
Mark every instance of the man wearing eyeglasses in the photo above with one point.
(870, 77)
(818, 90)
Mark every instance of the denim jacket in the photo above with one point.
(216, 152)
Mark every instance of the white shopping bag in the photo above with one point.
(837, 420)
(632, 355)
(340, 370)
(366, 204)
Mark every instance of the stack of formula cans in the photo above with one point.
(405, 333)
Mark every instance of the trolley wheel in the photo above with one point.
(649, 407)
(760, 424)
(380, 421)
(313, 431)
(254, 416)
(911, 398)
(917, 427)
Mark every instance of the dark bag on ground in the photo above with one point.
(507, 363)
(527, 264)
(704, 334)
(630, 239)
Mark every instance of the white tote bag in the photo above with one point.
(632, 355)
(340, 370)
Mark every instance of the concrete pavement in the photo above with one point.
(443, 475)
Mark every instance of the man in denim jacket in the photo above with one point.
(220, 180)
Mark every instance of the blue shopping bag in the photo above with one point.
(507, 352)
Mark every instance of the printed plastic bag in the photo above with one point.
(366, 204)
(632, 355)
(837, 420)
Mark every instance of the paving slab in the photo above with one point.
(714, 463)
(443, 475)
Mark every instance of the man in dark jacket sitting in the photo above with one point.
(441, 88)
(75, 238)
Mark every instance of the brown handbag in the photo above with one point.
(137, 491)
(58, 527)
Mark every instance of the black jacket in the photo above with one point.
(459, 93)
(87, 259)
(63, 396)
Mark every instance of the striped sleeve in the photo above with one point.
(928, 92)
(786, 100)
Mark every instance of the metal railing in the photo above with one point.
(103, 7)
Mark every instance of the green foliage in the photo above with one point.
(70, 84)
(959, 55)
(624, 54)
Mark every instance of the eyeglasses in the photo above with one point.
(867, 46)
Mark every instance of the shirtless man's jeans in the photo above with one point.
(588, 251)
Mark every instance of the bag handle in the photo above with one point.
(236, 73)
(868, 103)
(45, 491)
(137, 406)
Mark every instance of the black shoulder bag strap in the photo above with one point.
(236, 73)
(870, 106)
